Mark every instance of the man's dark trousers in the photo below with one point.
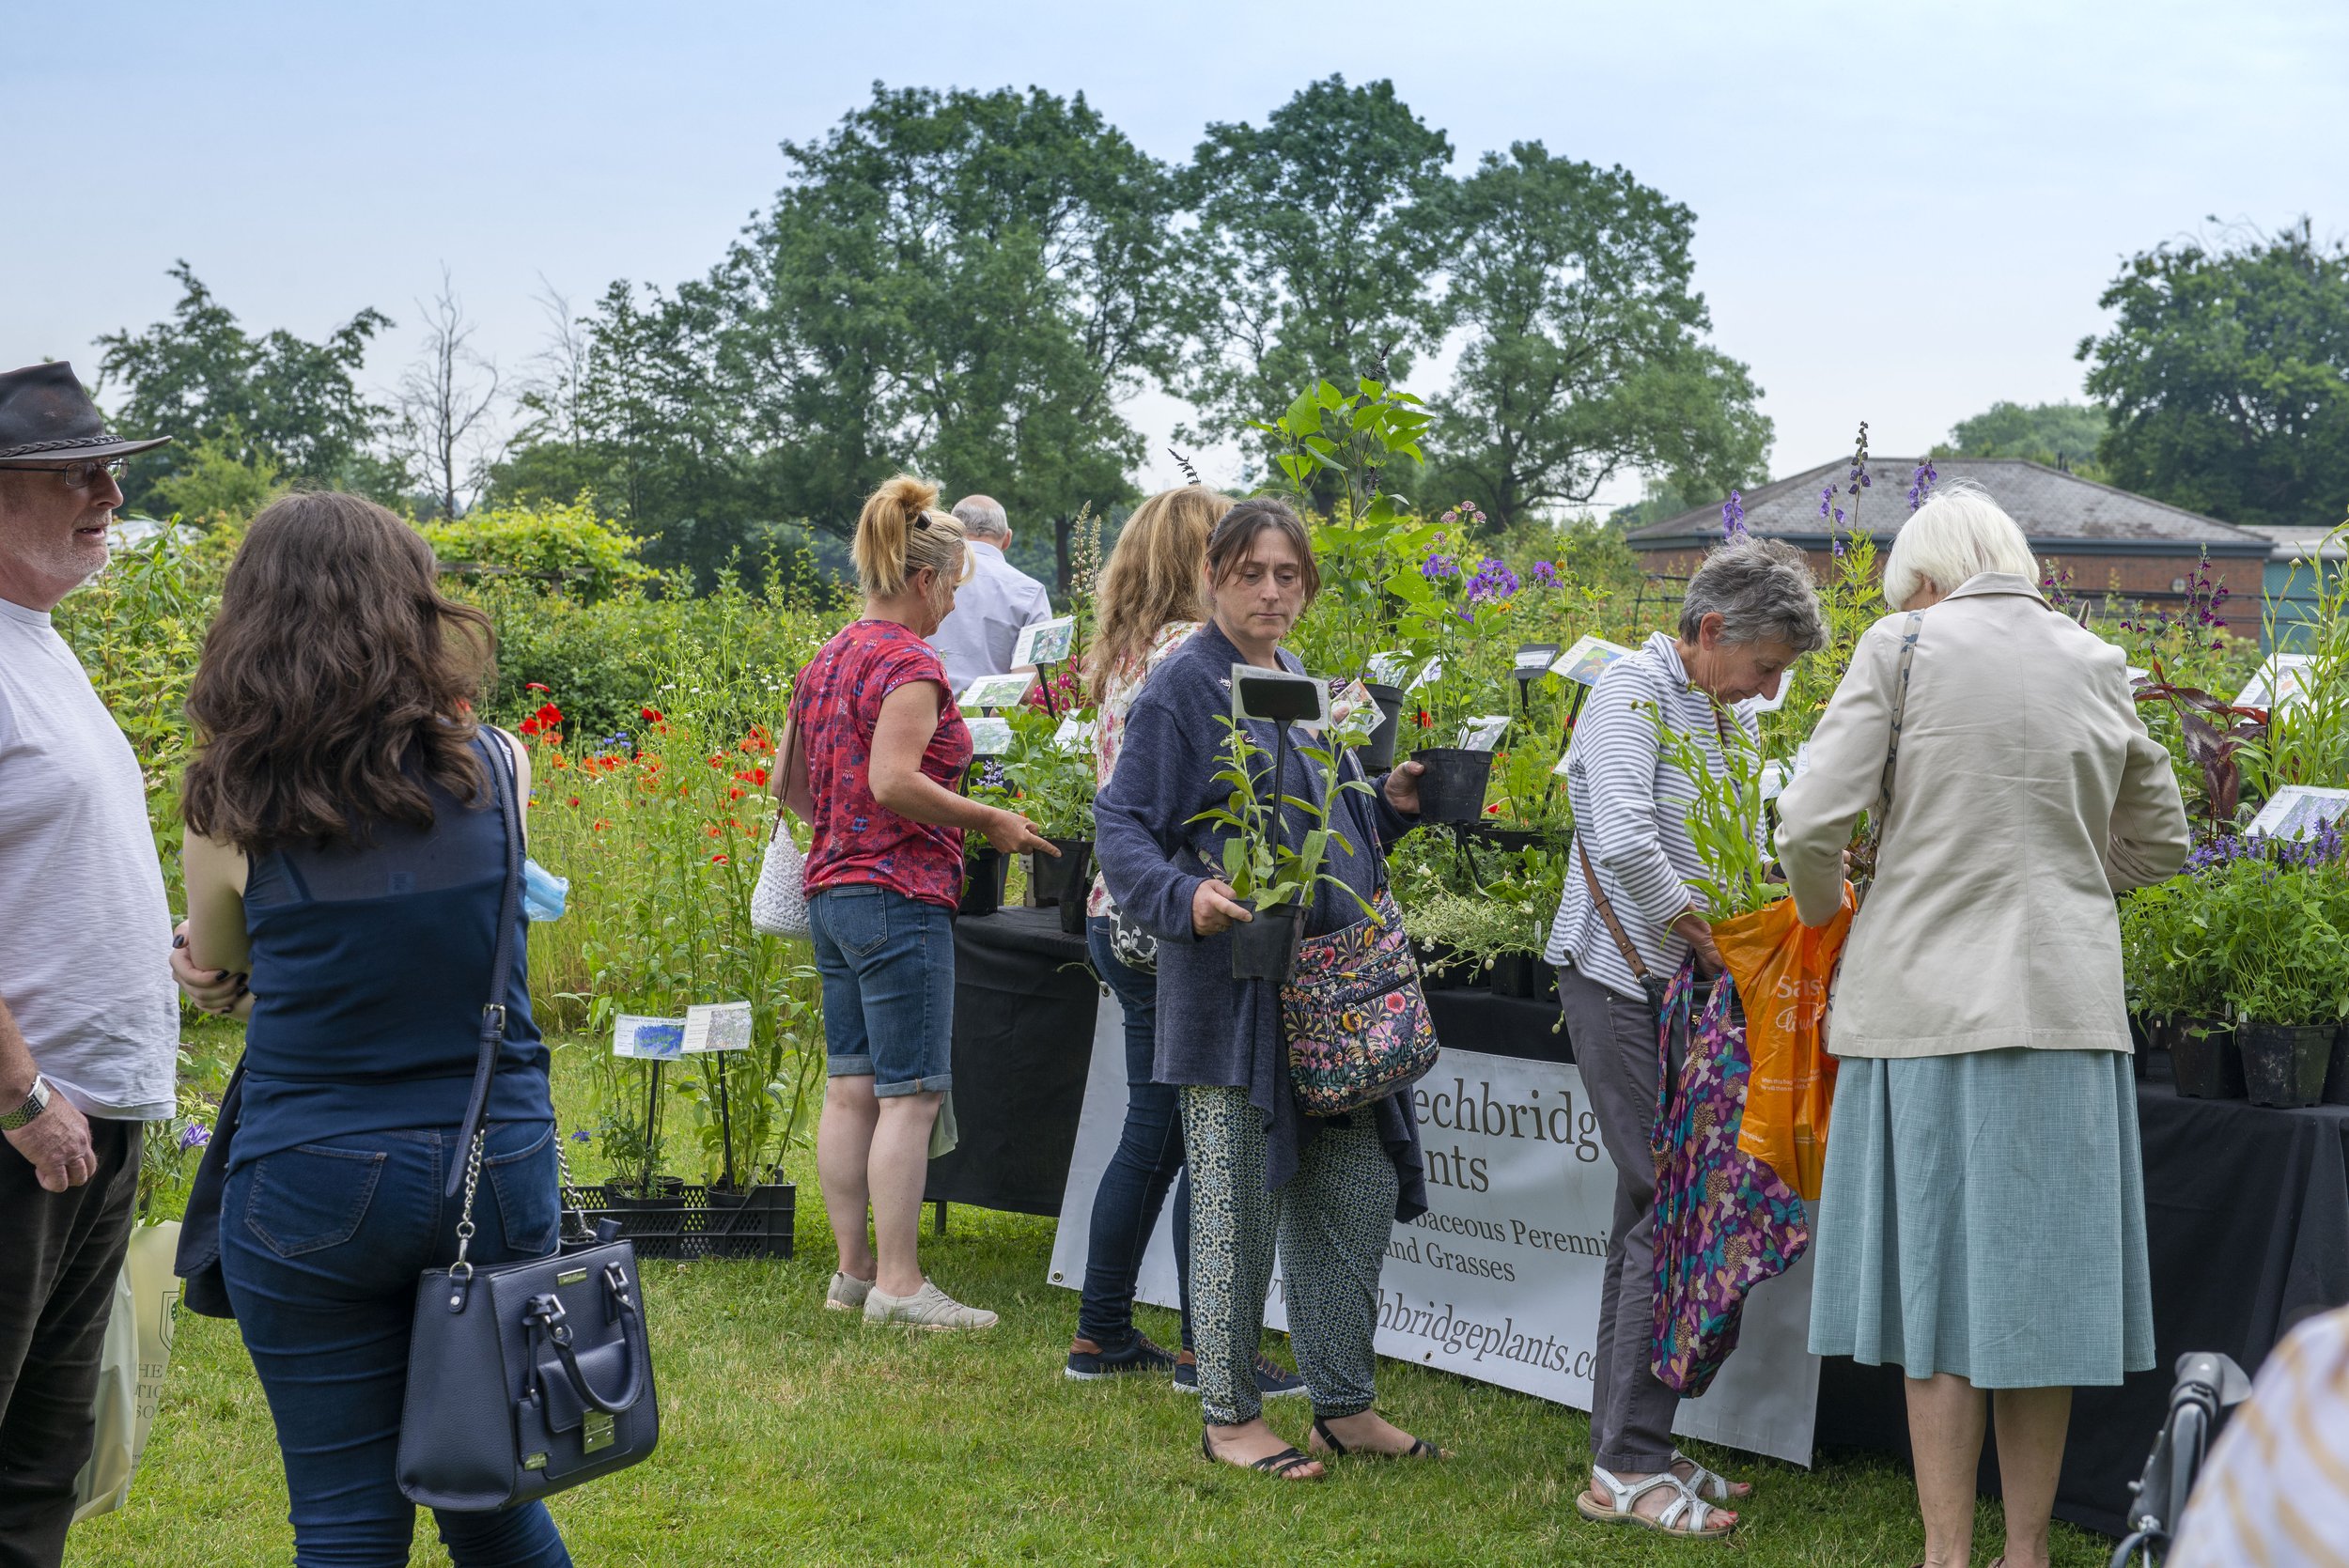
(59, 1255)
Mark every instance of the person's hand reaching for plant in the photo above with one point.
(1700, 935)
(1214, 907)
(1013, 833)
(1401, 787)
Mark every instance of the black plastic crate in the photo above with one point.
(681, 1221)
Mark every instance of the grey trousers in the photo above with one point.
(1332, 1220)
(1614, 1047)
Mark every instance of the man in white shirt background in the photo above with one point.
(975, 639)
(89, 1028)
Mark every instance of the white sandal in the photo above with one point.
(1687, 1517)
(1705, 1485)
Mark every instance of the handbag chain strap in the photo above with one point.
(501, 972)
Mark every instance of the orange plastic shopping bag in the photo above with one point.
(1783, 969)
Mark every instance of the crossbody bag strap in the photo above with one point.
(1607, 913)
(790, 750)
(1893, 747)
(501, 783)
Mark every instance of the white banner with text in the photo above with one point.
(1500, 1280)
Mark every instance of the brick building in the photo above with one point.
(2110, 540)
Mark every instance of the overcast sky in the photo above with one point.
(1904, 210)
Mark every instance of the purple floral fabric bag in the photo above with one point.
(1724, 1221)
(1357, 1025)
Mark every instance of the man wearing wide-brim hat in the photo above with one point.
(89, 1022)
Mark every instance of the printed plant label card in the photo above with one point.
(649, 1039)
(2295, 811)
(718, 1026)
(1074, 735)
(996, 692)
(1588, 659)
(989, 737)
(1044, 641)
(1483, 734)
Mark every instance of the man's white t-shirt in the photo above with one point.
(85, 927)
(977, 637)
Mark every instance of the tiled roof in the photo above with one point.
(2053, 506)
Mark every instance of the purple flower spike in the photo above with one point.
(1921, 485)
(1733, 517)
(194, 1136)
(1827, 501)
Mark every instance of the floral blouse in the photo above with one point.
(1109, 725)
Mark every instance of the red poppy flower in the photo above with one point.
(599, 824)
(534, 686)
(735, 793)
(649, 715)
(757, 776)
(549, 715)
(717, 860)
(1493, 810)
(714, 829)
(719, 761)
(1425, 721)
(574, 800)
(529, 726)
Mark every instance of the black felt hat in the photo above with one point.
(45, 417)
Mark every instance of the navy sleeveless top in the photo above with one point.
(370, 966)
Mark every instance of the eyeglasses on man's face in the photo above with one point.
(77, 476)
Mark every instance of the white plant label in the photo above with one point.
(1483, 735)
(1044, 641)
(716, 1026)
(1074, 735)
(646, 1039)
(989, 737)
(1587, 660)
(997, 690)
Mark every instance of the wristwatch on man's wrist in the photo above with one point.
(35, 1103)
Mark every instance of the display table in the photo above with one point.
(2246, 1209)
(1024, 1001)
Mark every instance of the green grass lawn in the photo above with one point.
(790, 1435)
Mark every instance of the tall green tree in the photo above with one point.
(963, 284)
(2227, 374)
(1319, 239)
(2064, 435)
(1585, 351)
(275, 401)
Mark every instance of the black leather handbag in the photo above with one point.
(524, 1378)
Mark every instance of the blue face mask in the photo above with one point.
(544, 892)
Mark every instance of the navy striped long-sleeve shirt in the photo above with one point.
(1629, 803)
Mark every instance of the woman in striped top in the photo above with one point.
(1750, 613)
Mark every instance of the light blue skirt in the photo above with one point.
(1984, 1214)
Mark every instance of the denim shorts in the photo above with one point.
(888, 963)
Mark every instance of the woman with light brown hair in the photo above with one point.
(872, 757)
(1146, 606)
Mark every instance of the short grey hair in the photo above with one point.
(1960, 534)
(1763, 592)
(983, 516)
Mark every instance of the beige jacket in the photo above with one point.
(2027, 796)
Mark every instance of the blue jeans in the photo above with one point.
(888, 966)
(321, 1247)
(1149, 1154)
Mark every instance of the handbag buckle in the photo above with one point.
(492, 1018)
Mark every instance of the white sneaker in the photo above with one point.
(846, 1293)
(927, 1308)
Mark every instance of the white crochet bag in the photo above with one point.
(779, 902)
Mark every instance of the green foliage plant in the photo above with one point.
(1051, 783)
(1263, 869)
(2306, 740)
(2278, 932)
(1725, 819)
(2170, 951)
(566, 547)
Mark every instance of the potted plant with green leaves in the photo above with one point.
(2176, 985)
(1275, 878)
(1050, 778)
(2281, 918)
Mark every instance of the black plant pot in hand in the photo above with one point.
(1264, 947)
(1453, 787)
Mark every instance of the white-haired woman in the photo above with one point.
(1751, 610)
(1982, 1221)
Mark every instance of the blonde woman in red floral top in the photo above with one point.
(876, 748)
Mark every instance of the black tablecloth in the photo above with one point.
(2246, 1209)
(1024, 1001)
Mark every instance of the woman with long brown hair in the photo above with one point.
(344, 846)
(1147, 605)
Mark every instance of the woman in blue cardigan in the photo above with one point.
(1331, 1189)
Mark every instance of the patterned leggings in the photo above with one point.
(1332, 1220)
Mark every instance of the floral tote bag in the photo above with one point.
(1724, 1221)
(1356, 1022)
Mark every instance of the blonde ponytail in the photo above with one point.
(899, 533)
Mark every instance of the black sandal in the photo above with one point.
(1279, 1463)
(1421, 1448)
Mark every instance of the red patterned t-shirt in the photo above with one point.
(836, 704)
